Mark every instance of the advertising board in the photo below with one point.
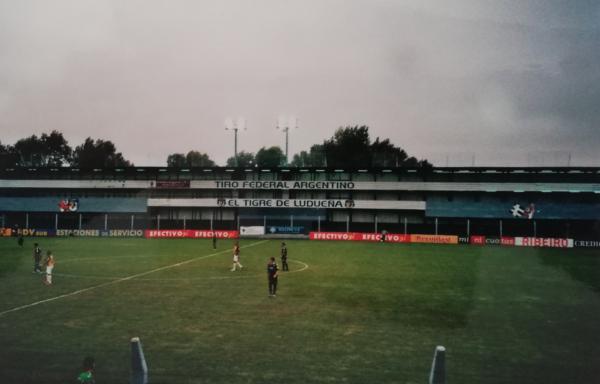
(543, 242)
(359, 236)
(252, 230)
(434, 239)
(586, 244)
(285, 229)
(27, 232)
(189, 233)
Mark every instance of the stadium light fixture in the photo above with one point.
(235, 125)
(284, 124)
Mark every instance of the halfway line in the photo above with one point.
(122, 279)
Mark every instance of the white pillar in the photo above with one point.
(405, 226)
(211, 221)
(132, 219)
(318, 223)
(55, 221)
(436, 226)
(437, 374)
(468, 227)
(500, 228)
(291, 220)
(375, 223)
(534, 229)
(158, 221)
(80, 220)
(27, 220)
(139, 367)
(106, 221)
(184, 222)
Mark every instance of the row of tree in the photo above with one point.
(53, 150)
(349, 147)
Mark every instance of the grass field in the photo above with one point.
(346, 313)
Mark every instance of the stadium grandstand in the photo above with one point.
(492, 202)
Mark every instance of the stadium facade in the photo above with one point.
(466, 201)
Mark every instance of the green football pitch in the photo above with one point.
(344, 313)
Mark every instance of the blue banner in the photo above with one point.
(285, 230)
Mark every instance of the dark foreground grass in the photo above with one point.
(360, 313)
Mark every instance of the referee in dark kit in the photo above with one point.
(272, 274)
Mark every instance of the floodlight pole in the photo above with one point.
(235, 130)
(233, 125)
(286, 130)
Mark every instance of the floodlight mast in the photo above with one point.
(234, 125)
(284, 125)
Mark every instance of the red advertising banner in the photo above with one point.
(359, 236)
(434, 239)
(543, 242)
(189, 234)
(478, 240)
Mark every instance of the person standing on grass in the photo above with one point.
(214, 239)
(87, 374)
(49, 267)
(272, 275)
(37, 258)
(236, 257)
(284, 255)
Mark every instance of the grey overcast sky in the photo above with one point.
(511, 82)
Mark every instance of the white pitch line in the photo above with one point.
(120, 280)
(206, 278)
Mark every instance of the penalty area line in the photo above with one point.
(122, 279)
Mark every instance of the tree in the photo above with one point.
(197, 159)
(314, 158)
(176, 160)
(385, 154)
(301, 159)
(98, 154)
(245, 159)
(29, 151)
(58, 152)
(46, 151)
(191, 159)
(349, 147)
(317, 156)
(8, 157)
(270, 157)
